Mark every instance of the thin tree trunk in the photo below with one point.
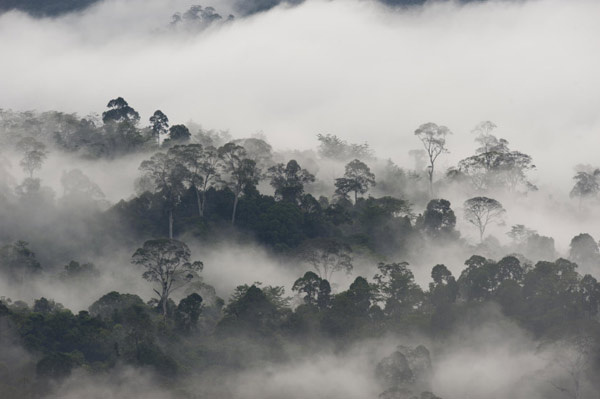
(200, 210)
(171, 224)
(355, 196)
(235, 202)
(164, 303)
(431, 181)
(203, 205)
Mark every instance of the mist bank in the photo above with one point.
(374, 71)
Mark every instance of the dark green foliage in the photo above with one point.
(317, 291)
(120, 111)
(349, 312)
(439, 219)
(357, 179)
(289, 180)
(18, 262)
(188, 313)
(178, 134)
(111, 306)
(251, 312)
(56, 365)
(397, 289)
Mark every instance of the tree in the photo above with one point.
(494, 164)
(188, 312)
(258, 150)
(75, 271)
(17, 261)
(168, 175)
(575, 355)
(166, 262)
(584, 251)
(586, 186)
(289, 180)
(520, 234)
(120, 111)
(34, 154)
(242, 171)
(77, 185)
(433, 138)
(159, 124)
(481, 211)
(317, 290)
(439, 219)
(178, 134)
(357, 178)
(327, 256)
(333, 147)
(202, 165)
(397, 288)
(444, 289)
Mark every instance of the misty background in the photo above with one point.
(283, 72)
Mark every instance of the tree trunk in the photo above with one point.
(200, 210)
(203, 205)
(431, 181)
(355, 196)
(235, 202)
(171, 224)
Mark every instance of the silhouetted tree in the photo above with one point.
(159, 124)
(289, 180)
(167, 173)
(439, 219)
(481, 211)
(120, 111)
(34, 154)
(166, 262)
(433, 138)
(242, 171)
(357, 178)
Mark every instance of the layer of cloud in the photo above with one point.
(352, 68)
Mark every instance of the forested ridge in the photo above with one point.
(369, 224)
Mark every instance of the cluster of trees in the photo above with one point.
(206, 185)
(550, 299)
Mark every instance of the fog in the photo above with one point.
(357, 69)
(352, 68)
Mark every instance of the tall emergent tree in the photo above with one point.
(317, 290)
(34, 154)
(242, 171)
(120, 111)
(202, 167)
(167, 173)
(159, 124)
(481, 211)
(495, 164)
(396, 287)
(433, 138)
(289, 180)
(166, 262)
(357, 178)
(587, 185)
(327, 256)
(178, 134)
